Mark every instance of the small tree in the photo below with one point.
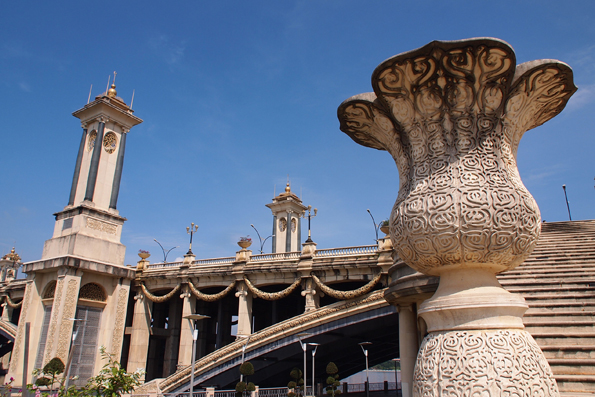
(296, 384)
(246, 369)
(333, 380)
(113, 380)
(49, 373)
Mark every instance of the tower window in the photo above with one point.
(282, 224)
(91, 142)
(109, 142)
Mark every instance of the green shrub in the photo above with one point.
(240, 387)
(251, 387)
(247, 369)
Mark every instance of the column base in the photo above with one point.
(500, 362)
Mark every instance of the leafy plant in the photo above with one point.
(384, 223)
(143, 252)
(113, 380)
(246, 369)
(247, 238)
(333, 379)
(296, 384)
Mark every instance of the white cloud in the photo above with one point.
(24, 86)
(584, 95)
(171, 53)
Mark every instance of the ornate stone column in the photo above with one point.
(141, 327)
(408, 346)
(452, 115)
(244, 310)
(185, 351)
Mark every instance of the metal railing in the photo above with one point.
(347, 251)
(225, 393)
(196, 393)
(273, 392)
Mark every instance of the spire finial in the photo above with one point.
(112, 91)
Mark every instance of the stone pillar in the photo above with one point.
(93, 168)
(244, 310)
(185, 352)
(6, 312)
(312, 298)
(118, 172)
(77, 167)
(141, 327)
(63, 310)
(170, 359)
(408, 346)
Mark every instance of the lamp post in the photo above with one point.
(193, 318)
(567, 205)
(163, 249)
(71, 353)
(247, 337)
(362, 344)
(396, 360)
(191, 230)
(304, 347)
(310, 216)
(260, 238)
(313, 365)
(375, 225)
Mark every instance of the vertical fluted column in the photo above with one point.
(274, 234)
(185, 350)
(77, 167)
(118, 172)
(93, 168)
(408, 347)
(244, 310)
(288, 233)
(141, 326)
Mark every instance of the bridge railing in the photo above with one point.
(276, 257)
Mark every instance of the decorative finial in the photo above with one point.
(287, 188)
(112, 91)
(13, 256)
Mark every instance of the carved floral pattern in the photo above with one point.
(66, 323)
(159, 299)
(93, 292)
(452, 114)
(49, 344)
(101, 226)
(16, 359)
(347, 294)
(109, 142)
(120, 321)
(477, 363)
(271, 296)
(49, 291)
(210, 297)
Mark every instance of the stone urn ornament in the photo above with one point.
(245, 242)
(452, 114)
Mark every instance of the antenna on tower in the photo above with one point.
(132, 100)
(89, 99)
(114, 77)
(108, 79)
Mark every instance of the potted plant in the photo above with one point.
(245, 242)
(384, 227)
(144, 254)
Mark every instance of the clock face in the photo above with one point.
(282, 224)
(293, 225)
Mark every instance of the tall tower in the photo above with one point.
(287, 211)
(90, 225)
(81, 282)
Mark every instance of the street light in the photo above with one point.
(375, 225)
(396, 360)
(244, 352)
(304, 347)
(362, 344)
(163, 249)
(313, 364)
(310, 216)
(70, 354)
(194, 318)
(260, 238)
(191, 230)
(567, 205)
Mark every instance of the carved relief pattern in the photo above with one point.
(120, 321)
(16, 361)
(159, 299)
(110, 142)
(473, 363)
(91, 141)
(92, 291)
(101, 226)
(282, 224)
(50, 290)
(49, 344)
(451, 114)
(210, 297)
(66, 324)
(346, 294)
(11, 303)
(272, 296)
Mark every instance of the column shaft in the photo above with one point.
(77, 168)
(274, 234)
(288, 233)
(185, 352)
(118, 172)
(93, 168)
(244, 310)
(408, 347)
(139, 340)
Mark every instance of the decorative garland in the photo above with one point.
(271, 296)
(210, 297)
(159, 299)
(343, 295)
(10, 303)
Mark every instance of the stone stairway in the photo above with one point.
(558, 283)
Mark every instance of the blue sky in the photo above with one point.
(235, 96)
